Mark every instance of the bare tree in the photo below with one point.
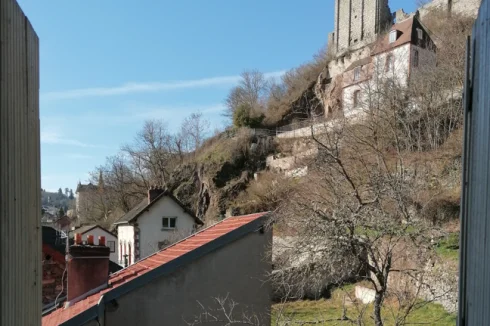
(151, 156)
(98, 203)
(194, 130)
(252, 90)
(361, 201)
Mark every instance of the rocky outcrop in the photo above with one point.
(442, 285)
(461, 7)
(310, 273)
(209, 185)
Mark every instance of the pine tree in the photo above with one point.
(71, 195)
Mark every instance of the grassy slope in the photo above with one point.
(328, 312)
(448, 248)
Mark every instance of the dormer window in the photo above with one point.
(393, 36)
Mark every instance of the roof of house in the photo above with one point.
(86, 228)
(87, 187)
(406, 34)
(163, 262)
(143, 206)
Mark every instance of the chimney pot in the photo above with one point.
(78, 239)
(90, 240)
(154, 192)
(101, 240)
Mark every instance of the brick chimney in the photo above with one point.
(88, 267)
(154, 192)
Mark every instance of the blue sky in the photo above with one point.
(108, 65)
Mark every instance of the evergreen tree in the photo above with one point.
(60, 192)
(71, 195)
(61, 212)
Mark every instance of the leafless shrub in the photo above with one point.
(265, 194)
(225, 312)
(293, 86)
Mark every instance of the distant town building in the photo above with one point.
(84, 194)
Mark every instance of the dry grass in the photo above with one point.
(265, 194)
(329, 312)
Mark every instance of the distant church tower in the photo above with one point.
(357, 23)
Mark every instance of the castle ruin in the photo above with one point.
(357, 23)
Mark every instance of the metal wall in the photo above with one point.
(20, 182)
(474, 294)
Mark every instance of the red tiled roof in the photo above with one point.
(55, 254)
(149, 263)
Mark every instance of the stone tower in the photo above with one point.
(357, 23)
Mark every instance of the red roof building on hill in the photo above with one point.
(230, 259)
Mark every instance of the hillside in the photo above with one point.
(369, 193)
(57, 199)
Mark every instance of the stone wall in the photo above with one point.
(357, 22)
(464, 7)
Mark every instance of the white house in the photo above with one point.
(153, 224)
(96, 231)
(395, 57)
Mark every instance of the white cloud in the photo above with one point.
(77, 156)
(51, 137)
(131, 88)
(171, 112)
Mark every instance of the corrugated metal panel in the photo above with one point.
(20, 182)
(475, 246)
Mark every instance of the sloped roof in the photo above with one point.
(157, 265)
(143, 206)
(87, 187)
(86, 228)
(406, 34)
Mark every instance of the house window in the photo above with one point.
(169, 222)
(416, 58)
(420, 33)
(356, 98)
(112, 245)
(389, 62)
(357, 73)
(393, 36)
